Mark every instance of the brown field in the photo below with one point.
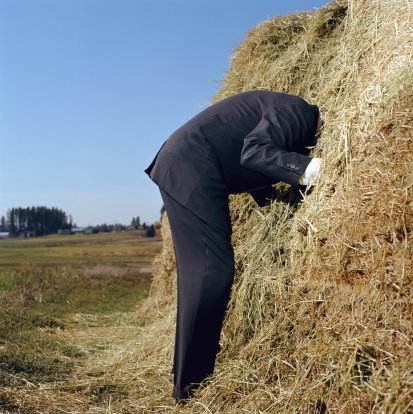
(63, 301)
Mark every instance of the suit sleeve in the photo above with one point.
(264, 151)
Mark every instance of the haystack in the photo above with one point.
(320, 316)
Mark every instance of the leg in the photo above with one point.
(205, 270)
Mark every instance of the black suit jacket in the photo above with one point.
(243, 143)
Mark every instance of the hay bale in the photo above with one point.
(320, 316)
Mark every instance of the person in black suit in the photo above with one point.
(243, 143)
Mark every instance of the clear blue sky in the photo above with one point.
(90, 89)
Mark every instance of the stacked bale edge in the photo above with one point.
(320, 315)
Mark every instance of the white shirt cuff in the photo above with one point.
(311, 172)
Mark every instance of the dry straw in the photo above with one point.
(320, 316)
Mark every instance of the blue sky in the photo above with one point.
(90, 89)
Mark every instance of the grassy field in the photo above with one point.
(115, 248)
(52, 286)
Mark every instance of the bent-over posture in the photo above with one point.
(243, 143)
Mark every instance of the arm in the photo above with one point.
(263, 151)
(264, 195)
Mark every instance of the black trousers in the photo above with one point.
(205, 271)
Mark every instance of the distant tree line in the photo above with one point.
(106, 228)
(38, 220)
(137, 225)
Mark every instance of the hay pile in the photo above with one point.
(320, 316)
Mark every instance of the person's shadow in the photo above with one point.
(289, 194)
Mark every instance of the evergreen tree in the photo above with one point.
(150, 231)
(40, 220)
(136, 222)
(11, 221)
(3, 226)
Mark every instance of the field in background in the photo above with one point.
(52, 286)
(110, 248)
